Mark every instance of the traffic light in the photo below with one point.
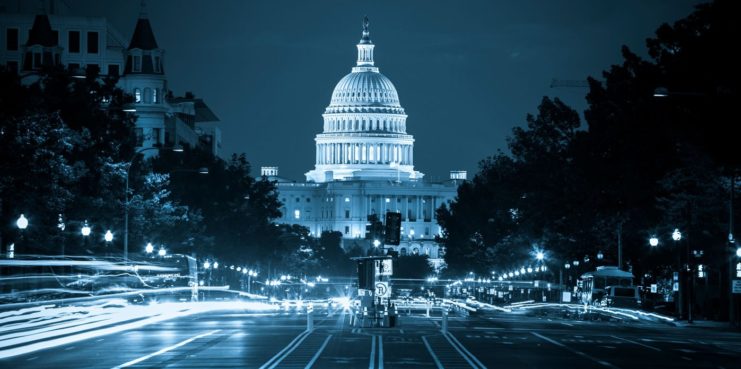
(393, 229)
(374, 228)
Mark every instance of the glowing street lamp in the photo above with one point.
(376, 243)
(653, 241)
(738, 252)
(600, 255)
(85, 230)
(108, 236)
(216, 265)
(149, 248)
(676, 235)
(162, 252)
(539, 256)
(22, 222)
(206, 265)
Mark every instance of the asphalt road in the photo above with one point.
(242, 340)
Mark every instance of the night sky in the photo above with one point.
(466, 71)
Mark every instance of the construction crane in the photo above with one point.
(569, 83)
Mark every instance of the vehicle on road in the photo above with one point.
(621, 296)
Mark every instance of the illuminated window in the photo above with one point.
(297, 214)
(347, 199)
(137, 95)
(388, 200)
(154, 96)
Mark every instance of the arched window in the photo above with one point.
(137, 95)
(155, 96)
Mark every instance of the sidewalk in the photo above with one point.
(706, 324)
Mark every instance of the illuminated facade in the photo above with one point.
(365, 165)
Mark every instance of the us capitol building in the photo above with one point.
(365, 165)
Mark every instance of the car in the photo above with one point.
(622, 296)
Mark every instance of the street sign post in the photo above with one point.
(736, 286)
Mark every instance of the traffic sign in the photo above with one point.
(382, 289)
(654, 288)
(736, 286)
(384, 267)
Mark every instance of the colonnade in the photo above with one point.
(362, 153)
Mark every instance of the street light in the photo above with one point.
(149, 248)
(600, 255)
(22, 222)
(162, 252)
(206, 265)
(676, 235)
(653, 241)
(376, 243)
(539, 256)
(108, 236)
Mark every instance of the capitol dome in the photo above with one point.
(366, 88)
(364, 135)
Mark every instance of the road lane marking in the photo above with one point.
(567, 324)
(372, 364)
(282, 354)
(637, 343)
(380, 352)
(601, 362)
(462, 351)
(434, 357)
(319, 352)
(166, 349)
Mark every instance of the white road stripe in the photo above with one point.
(601, 362)
(372, 364)
(166, 349)
(319, 352)
(380, 352)
(462, 350)
(434, 357)
(282, 354)
(637, 343)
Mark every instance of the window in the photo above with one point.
(147, 95)
(347, 230)
(154, 96)
(139, 133)
(137, 63)
(92, 42)
(11, 39)
(298, 199)
(157, 64)
(297, 214)
(156, 132)
(347, 199)
(73, 42)
(308, 199)
(347, 214)
(137, 95)
(113, 70)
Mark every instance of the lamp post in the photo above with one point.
(677, 236)
(22, 224)
(85, 231)
(108, 237)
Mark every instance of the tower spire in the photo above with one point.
(365, 48)
(143, 9)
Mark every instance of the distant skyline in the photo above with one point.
(466, 71)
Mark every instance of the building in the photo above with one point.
(32, 42)
(365, 165)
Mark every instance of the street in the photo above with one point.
(492, 340)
